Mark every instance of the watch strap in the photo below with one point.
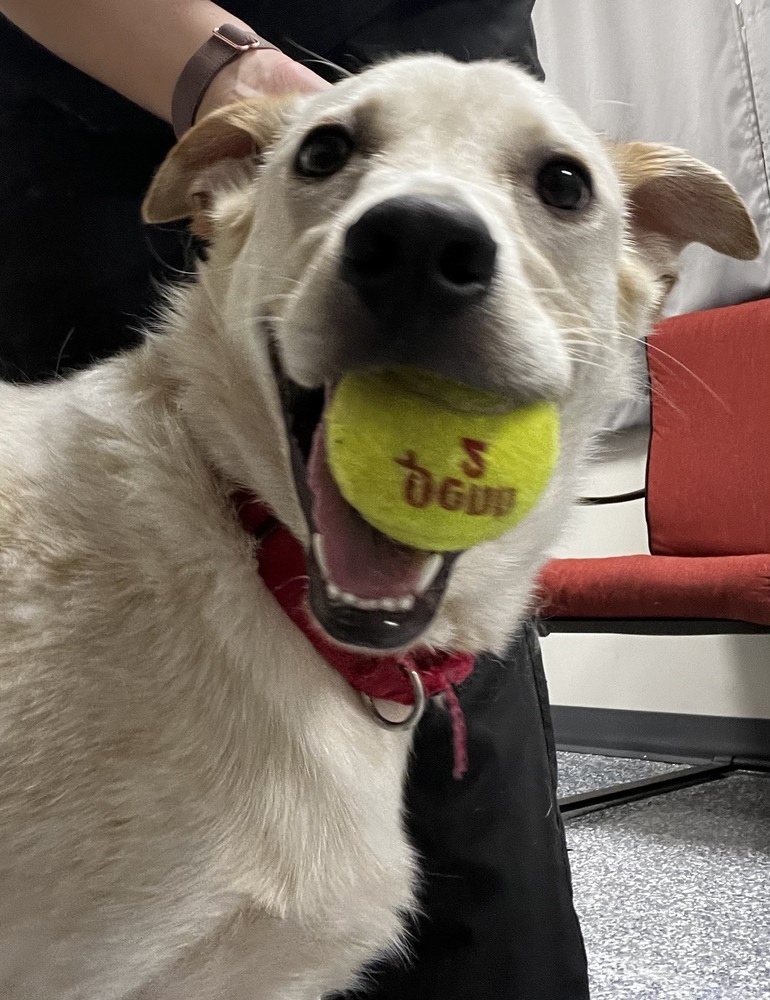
(226, 43)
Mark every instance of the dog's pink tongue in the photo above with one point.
(359, 559)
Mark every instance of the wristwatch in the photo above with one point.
(227, 42)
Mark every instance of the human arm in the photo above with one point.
(140, 48)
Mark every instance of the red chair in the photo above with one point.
(707, 503)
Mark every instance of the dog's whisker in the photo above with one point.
(607, 100)
(587, 361)
(62, 349)
(301, 578)
(316, 57)
(652, 346)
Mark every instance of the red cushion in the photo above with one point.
(708, 483)
(734, 587)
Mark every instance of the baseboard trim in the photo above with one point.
(662, 735)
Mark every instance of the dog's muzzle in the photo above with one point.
(415, 264)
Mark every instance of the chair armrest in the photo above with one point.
(616, 498)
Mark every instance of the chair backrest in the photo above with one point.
(708, 472)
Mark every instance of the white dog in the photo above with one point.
(193, 803)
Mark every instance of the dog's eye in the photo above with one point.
(324, 151)
(564, 184)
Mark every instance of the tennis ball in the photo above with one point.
(435, 464)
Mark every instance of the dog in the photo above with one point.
(194, 803)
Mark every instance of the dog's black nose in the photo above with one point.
(419, 254)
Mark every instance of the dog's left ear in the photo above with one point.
(674, 199)
(223, 147)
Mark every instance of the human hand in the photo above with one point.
(264, 71)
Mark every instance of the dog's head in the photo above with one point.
(457, 219)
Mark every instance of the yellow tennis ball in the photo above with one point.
(434, 464)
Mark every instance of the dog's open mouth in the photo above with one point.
(365, 589)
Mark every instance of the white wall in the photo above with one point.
(700, 675)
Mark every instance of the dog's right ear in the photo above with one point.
(223, 148)
(674, 199)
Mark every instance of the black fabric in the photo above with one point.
(352, 32)
(497, 899)
(78, 276)
(75, 158)
(482, 29)
(77, 268)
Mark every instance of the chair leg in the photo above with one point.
(572, 806)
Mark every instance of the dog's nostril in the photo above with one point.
(466, 263)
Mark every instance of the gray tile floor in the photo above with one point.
(674, 892)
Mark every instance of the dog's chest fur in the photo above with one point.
(220, 786)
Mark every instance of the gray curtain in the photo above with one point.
(692, 73)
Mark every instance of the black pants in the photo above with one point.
(77, 278)
(499, 922)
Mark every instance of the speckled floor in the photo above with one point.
(579, 772)
(674, 892)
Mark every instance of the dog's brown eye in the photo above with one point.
(564, 184)
(324, 151)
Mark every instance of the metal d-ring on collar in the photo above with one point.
(418, 708)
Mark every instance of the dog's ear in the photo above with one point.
(674, 199)
(223, 147)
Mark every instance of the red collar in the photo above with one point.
(282, 568)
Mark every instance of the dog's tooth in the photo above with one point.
(320, 555)
(429, 573)
(365, 604)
